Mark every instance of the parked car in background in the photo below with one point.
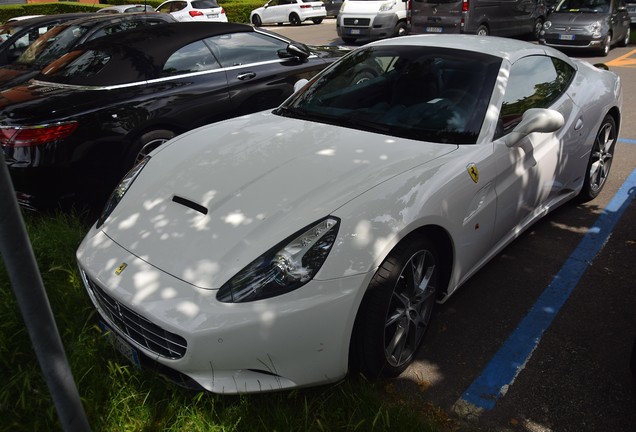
(285, 248)
(119, 96)
(592, 25)
(372, 19)
(481, 17)
(16, 36)
(333, 7)
(294, 12)
(66, 36)
(127, 8)
(194, 10)
(631, 10)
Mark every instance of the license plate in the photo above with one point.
(213, 15)
(433, 29)
(317, 7)
(354, 31)
(566, 37)
(121, 345)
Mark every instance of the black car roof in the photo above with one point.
(119, 17)
(140, 54)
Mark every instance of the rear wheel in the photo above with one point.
(396, 310)
(294, 19)
(600, 162)
(256, 20)
(605, 45)
(482, 30)
(317, 20)
(147, 143)
(400, 29)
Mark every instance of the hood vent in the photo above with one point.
(190, 204)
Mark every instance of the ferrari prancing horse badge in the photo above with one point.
(473, 172)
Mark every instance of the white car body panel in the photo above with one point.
(275, 14)
(264, 177)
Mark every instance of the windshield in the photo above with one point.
(423, 93)
(51, 45)
(6, 31)
(587, 6)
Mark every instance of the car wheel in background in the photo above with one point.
(147, 143)
(625, 41)
(600, 162)
(396, 310)
(294, 19)
(317, 20)
(538, 25)
(605, 45)
(256, 20)
(482, 30)
(400, 29)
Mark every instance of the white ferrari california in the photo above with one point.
(284, 248)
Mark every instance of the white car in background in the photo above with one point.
(294, 12)
(194, 10)
(284, 248)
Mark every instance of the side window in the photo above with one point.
(194, 57)
(165, 8)
(235, 49)
(177, 6)
(534, 82)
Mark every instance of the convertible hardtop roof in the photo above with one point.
(103, 17)
(159, 42)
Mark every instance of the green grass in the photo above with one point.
(119, 397)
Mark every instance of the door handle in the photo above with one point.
(246, 76)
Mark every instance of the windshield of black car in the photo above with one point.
(584, 6)
(423, 93)
(51, 45)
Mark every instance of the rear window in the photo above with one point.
(204, 4)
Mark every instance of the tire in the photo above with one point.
(348, 40)
(400, 29)
(598, 167)
(606, 45)
(363, 76)
(147, 143)
(317, 20)
(482, 30)
(538, 25)
(396, 310)
(294, 19)
(256, 20)
(625, 41)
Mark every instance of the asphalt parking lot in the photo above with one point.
(539, 339)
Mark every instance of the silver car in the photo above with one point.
(594, 25)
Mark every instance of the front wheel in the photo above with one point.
(400, 29)
(294, 20)
(396, 310)
(256, 20)
(538, 25)
(482, 30)
(598, 167)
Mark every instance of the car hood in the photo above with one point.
(368, 7)
(255, 180)
(580, 19)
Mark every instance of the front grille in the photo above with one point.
(360, 22)
(138, 328)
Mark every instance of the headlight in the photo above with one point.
(284, 268)
(547, 25)
(595, 29)
(120, 191)
(387, 6)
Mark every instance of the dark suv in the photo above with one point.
(594, 25)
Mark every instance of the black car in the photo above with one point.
(16, 36)
(64, 37)
(74, 130)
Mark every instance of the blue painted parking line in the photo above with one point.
(625, 140)
(500, 373)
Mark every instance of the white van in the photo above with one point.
(372, 19)
(482, 17)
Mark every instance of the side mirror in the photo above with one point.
(535, 120)
(300, 84)
(298, 51)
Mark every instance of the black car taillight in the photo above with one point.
(31, 136)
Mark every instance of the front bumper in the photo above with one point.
(294, 340)
(570, 40)
(360, 26)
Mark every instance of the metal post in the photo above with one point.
(28, 287)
